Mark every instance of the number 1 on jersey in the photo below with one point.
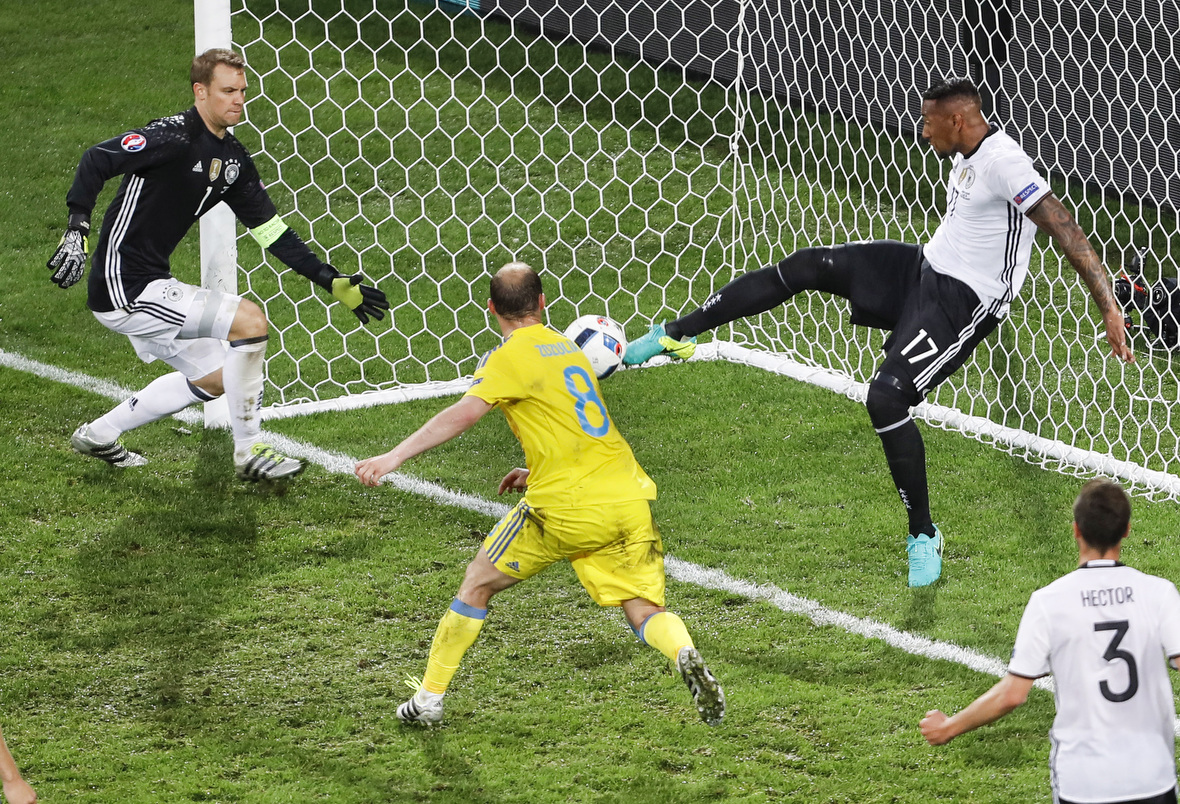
(208, 190)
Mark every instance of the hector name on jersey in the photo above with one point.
(548, 392)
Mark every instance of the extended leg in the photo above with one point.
(161, 397)
(759, 291)
(824, 269)
(456, 632)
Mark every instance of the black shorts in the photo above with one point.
(936, 320)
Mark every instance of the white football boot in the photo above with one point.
(425, 708)
(112, 452)
(267, 463)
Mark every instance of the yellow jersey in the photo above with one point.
(550, 396)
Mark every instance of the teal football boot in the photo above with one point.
(657, 342)
(925, 554)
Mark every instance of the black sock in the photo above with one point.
(906, 455)
(759, 291)
(749, 294)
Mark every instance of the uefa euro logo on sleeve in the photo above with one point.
(1026, 193)
(133, 142)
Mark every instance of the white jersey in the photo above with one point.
(984, 239)
(1105, 631)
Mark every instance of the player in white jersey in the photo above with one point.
(939, 301)
(1107, 633)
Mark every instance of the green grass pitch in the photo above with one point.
(171, 635)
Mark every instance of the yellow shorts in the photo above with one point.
(615, 549)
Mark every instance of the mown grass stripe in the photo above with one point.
(683, 571)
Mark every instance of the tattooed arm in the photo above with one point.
(1051, 216)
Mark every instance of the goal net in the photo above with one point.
(643, 153)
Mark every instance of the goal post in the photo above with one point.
(643, 153)
(219, 245)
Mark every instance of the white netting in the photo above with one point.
(427, 148)
(643, 153)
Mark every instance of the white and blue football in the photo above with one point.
(602, 340)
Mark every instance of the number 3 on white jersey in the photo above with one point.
(1113, 651)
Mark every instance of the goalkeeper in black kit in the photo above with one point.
(174, 170)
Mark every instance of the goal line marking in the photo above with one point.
(989, 432)
(677, 569)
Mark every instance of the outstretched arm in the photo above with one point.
(254, 208)
(363, 300)
(1051, 216)
(455, 420)
(123, 154)
(1007, 694)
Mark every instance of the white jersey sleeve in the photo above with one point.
(1030, 656)
(1170, 621)
(1014, 179)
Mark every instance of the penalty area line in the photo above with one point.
(677, 569)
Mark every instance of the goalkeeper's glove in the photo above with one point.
(69, 261)
(363, 300)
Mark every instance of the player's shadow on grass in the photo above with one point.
(455, 772)
(157, 577)
(922, 613)
(168, 590)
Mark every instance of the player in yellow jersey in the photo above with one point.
(586, 498)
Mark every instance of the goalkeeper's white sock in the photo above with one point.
(162, 397)
(242, 375)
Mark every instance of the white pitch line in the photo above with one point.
(338, 463)
(684, 571)
(78, 380)
(820, 615)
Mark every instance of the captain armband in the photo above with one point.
(269, 232)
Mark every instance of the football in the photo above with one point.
(602, 340)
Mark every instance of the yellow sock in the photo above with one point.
(665, 632)
(456, 633)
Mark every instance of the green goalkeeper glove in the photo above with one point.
(363, 300)
(68, 263)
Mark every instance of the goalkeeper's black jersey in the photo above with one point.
(174, 170)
